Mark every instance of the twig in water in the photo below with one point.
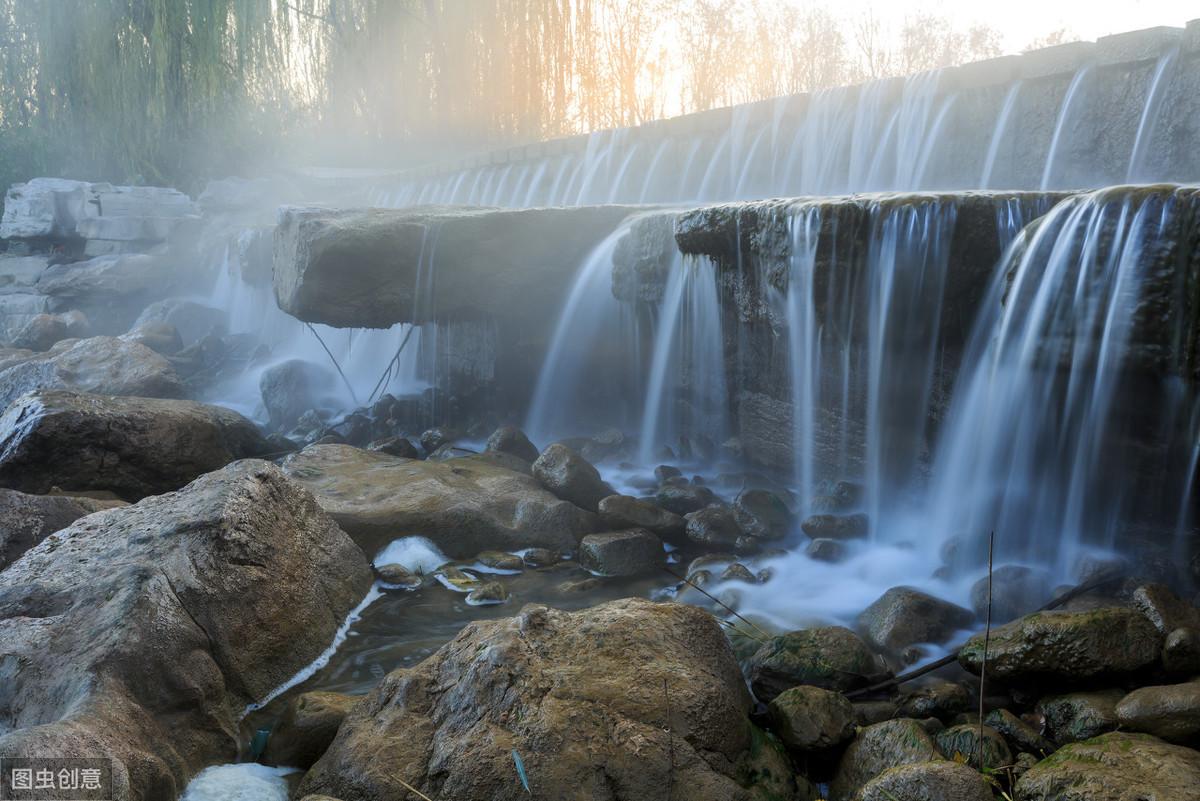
(337, 366)
(716, 600)
(987, 635)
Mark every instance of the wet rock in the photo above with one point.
(1016, 590)
(1181, 651)
(143, 632)
(1021, 735)
(512, 440)
(26, 520)
(397, 576)
(762, 514)
(824, 549)
(43, 331)
(455, 578)
(569, 476)
(713, 527)
(811, 719)
(487, 594)
(964, 740)
(540, 557)
(666, 471)
(937, 699)
(100, 365)
(905, 616)
(291, 388)
(836, 527)
(580, 586)
(1166, 610)
(567, 691)
(161, 338)
(1066, 646)
(464, 505)
(927, 781)
(500, 560)
(400, 447)
(867, 713)
(130, 446)
(191, 319)
(434, 438)
(624, 511)
(621, 553)
(831, 657)
(738, 572)
(1171, 712)
(1072, 717)
(1114, 767)
(683, 499)
(876, 749)
(309, 723)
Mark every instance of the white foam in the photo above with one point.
(245, 782)
(321, 661)
(416, 554)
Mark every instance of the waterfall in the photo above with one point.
(1149, 119)
(989, 162)
(1064, 115)
(1039, 414)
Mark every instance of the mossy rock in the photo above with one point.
(1114, 767)
(830, 657)
(927, 781)
(964, 740)
(876, 749)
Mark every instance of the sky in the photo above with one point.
(1022, 21)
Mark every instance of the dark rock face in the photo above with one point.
(579, 697)
(1066, 646)
(625, 511)
(569, 476)
(1072, 717)
(512, 440)
(308, 726)
(1114, 767)
(291, 388)
(833, 658)
(101, 365)
(133, 447)
(904, 616)
(621, 553)
(26, 520)
(142, 632)
(464, 505)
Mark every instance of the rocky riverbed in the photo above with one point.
(408, 598)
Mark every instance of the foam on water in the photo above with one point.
(416, 554)
(244, 782)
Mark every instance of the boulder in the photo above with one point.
(133, 447)
(161, 338)
(487, 594)
(961, 742)
(1021, 736)
(569, 476)
(683, 499)
(291, 388)
(1016, 590)
(807, 718)
(762, 514)
(1066, 646)
(43, 331)
(116, 278)
(625, 511)
(45, 208)
(904, 616)
(1072, 717)
(1171, 712)
(141, 634)
(927, 781)
(830, 657)
(309, 723)
(100, 365)
(937, 699)
(713, 527)
(877, 748)
(836, 527)
(1166, 610)
(1181, 651)
(622, 700)
(193, 320)
(1114, 767)
(434, 439)
(26, 520)
(621, 553)
(825, 549)
(512, 440)
(463, 505)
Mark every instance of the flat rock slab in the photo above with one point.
(622, 700)
(132, 447)
(359, 267)
(140, 634)
(464, 505)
